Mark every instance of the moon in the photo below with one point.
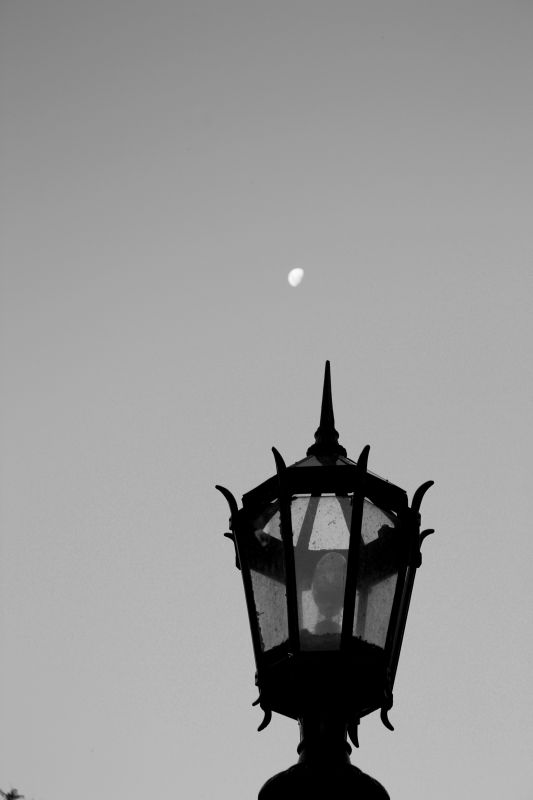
(295, 276)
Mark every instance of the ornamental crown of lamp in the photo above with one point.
(328, 553)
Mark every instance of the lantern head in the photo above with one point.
(328, 553)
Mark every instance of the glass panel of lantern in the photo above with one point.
(377, 575)
(262, 551)
(321, 536)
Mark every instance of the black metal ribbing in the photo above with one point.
(353, 551)
(402, 530)
(288, 546)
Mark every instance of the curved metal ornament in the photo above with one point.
(353, 732)
(384, 714)
(280, 463)
(388, 701)
(233, 507)
(421, 538)
(426, 533)
(363, 458)
(266, 719)
(266, 711)
(419, 495)
(415, 510)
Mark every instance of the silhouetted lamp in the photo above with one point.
(328, 553)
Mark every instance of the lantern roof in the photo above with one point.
(319, 470)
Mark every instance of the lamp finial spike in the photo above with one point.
(326, 437)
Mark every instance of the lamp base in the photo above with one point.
(324, 769)
(342, 782)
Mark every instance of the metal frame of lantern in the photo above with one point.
(351, 681)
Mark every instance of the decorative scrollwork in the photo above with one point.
(419, 495)
(388, 702)
(421, 538)
(232, 537)
(233, 507)
(384, 714)
(266, 711)
(266, 719)
(426, 533)
(362, 461)
(280, 463)
(353, 732)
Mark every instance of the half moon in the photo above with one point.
(295, 276)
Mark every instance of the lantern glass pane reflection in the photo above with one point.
(321, 536)
(378, 566)
(263, 550)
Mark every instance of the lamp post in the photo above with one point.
(328, 553)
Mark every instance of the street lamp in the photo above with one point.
(328, 553)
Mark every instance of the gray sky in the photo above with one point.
(164, 165)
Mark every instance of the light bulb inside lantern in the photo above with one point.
(328, 584)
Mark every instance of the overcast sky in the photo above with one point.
(164, 165)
